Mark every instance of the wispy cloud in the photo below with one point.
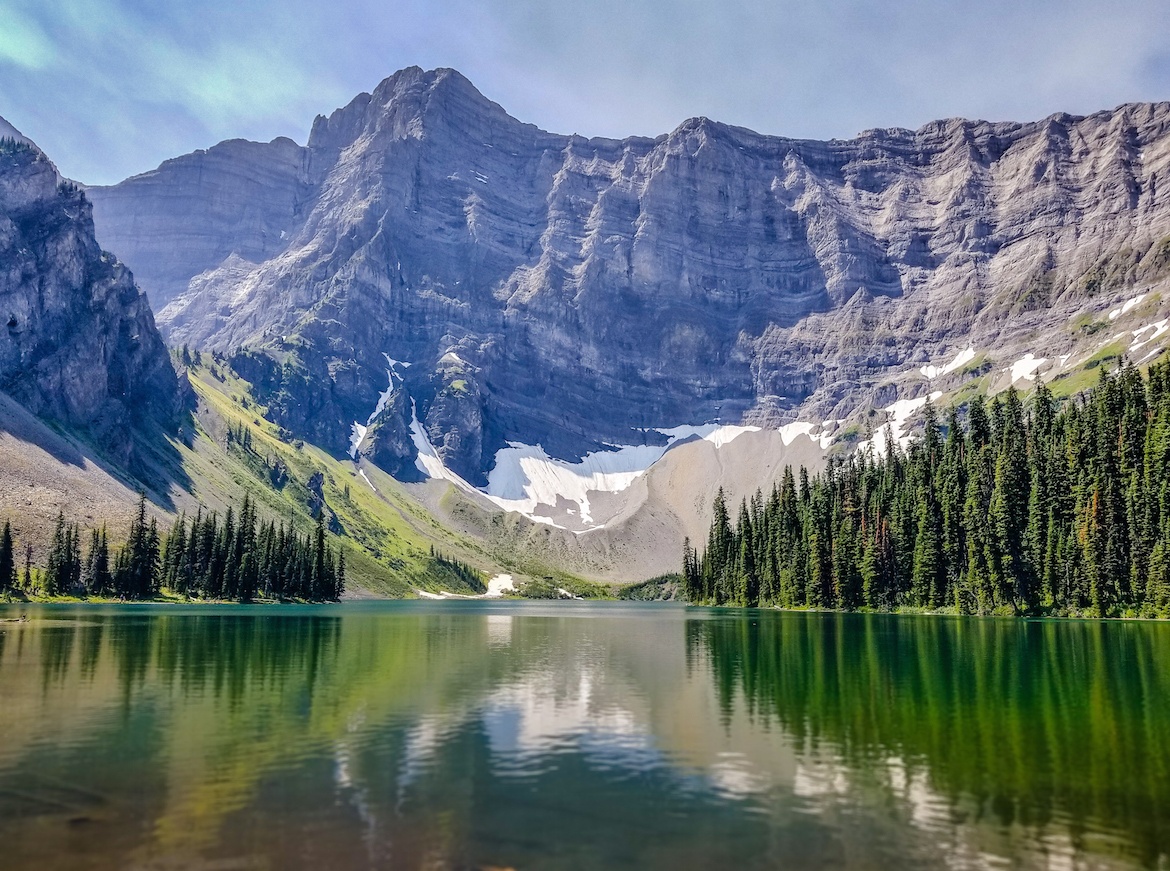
(111, 87)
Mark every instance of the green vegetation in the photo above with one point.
(1021, 511)
(7, 561)
(1146, 261)
(661, 588)
(460, 573)
(387, 536)
(10, 145)
(1088, 324)
(1015, 722)
(556, 586)
(238, 558)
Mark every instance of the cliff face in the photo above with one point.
(573, 292)
(78, 343)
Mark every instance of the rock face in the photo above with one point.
(78, 343)
(574, 292)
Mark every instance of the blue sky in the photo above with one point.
(112, 87)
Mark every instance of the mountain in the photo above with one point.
(532, 319)
(79, 344)
(92, 412)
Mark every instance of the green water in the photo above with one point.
(471, 735)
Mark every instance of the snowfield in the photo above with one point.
(892, 430)
(525, 479)
(1124, 309)
(1026, 367)
(358, 431)
(1159, 327)
(962, 359)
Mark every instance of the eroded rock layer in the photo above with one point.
(574, 292)
(78, 342)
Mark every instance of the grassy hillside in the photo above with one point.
(228, 449)
(389, 536)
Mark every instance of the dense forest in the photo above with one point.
(207, 557)
(1007, 507)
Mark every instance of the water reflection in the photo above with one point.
(464, 735)
(1058, 729)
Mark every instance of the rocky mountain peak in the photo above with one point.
(78, 342)
(7, 131)
(575, 293)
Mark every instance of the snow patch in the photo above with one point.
(1150, 355)
(1118, 312)
(383, 398)
(524, 477)
(962, 359)
(1160, 328)
(428, 461)
(499, 585)
(366, 478)
(356, 434)
(358, 431)
(1025, 368)
(712, 432)
(791, 431)
(496, 588)
(893, 430)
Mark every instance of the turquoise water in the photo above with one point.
(569, 735)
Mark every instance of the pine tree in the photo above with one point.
(7, 560)
(96, 576)
(1046, 509)
(56, 579)
(320, 582)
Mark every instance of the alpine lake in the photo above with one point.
(528, 735)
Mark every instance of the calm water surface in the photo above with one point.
(553, 736)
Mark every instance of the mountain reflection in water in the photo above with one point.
(528, 735)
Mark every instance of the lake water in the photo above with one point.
(524, 735)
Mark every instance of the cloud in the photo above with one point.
(23, 44)
(111, 87)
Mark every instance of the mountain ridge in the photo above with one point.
(575, 293)
(80, 344)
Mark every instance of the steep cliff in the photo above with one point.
(428, 273)
(78, 342)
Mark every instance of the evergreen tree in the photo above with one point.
(1040, 509)
(96, 578)
(7, 560)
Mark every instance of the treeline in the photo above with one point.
(206, 556)
(1015, 508)
(462, 572)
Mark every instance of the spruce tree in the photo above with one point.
(7, 560)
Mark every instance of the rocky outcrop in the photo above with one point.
(78, 342)
(594, 289)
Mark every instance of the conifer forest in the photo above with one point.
(236, 556)
(1009, 505)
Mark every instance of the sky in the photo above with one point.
(110, 88)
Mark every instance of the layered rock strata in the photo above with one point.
(576, 293)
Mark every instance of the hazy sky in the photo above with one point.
(112, 87)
